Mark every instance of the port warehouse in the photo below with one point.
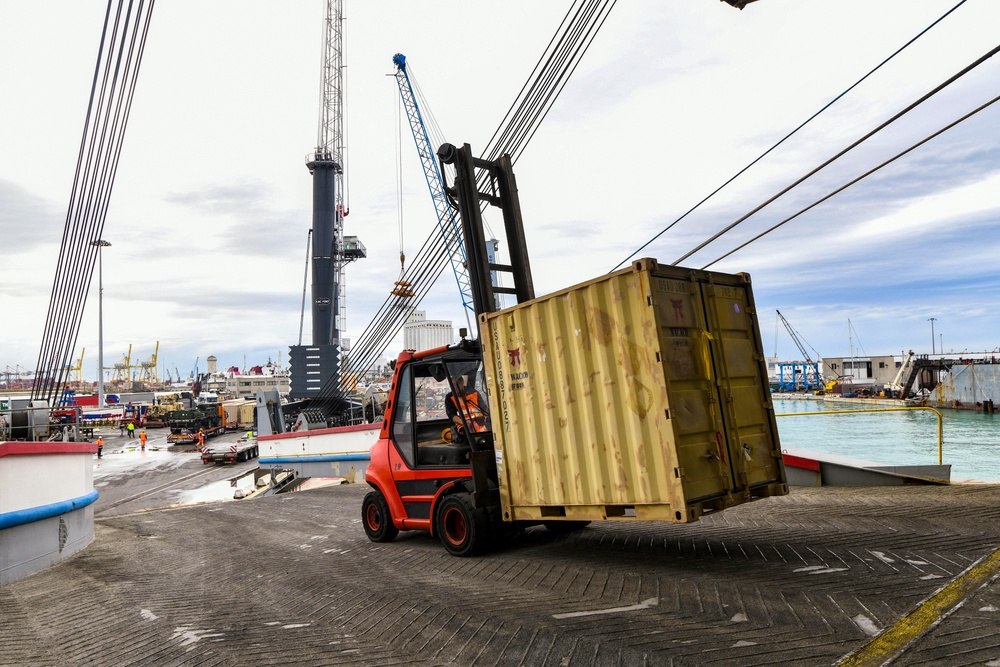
(963, 381)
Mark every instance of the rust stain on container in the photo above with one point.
(655, 404)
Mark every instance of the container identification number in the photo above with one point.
(673, 286)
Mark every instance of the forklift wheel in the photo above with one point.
(377, 519)
(463, 530)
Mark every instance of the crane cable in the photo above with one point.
(557, 63)
(855, 180)
(952, 79)
(120, 53)
(790, 134)
(402, 286)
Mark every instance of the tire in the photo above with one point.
(376, 518)
(463, 530)
(560, 527)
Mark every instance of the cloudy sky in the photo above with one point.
(211, 207)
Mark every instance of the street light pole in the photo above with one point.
(101, 244)
(931, 320)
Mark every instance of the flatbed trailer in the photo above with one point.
(242, 450)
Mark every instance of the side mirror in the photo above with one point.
(437, 372)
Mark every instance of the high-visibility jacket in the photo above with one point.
(469, 405)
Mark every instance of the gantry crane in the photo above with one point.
(122, 371)
(147, 372)
(76, 369)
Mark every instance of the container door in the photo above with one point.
(752, 435)
(694, 410)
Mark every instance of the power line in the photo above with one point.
(968, 68)
(123, 42)
(553, 69)
(789, 135)
(853, 181)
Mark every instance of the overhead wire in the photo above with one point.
(895, 117)
(789, 135)
(856, 180)
(112, 90)
(68, 253)
(549, 76)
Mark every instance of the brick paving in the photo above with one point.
(291, 579)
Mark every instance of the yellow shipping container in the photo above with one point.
(239, 413)
(641, 394)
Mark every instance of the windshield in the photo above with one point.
(467, 377)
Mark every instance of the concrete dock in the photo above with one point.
(823, 576)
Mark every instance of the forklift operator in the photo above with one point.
(466, 402)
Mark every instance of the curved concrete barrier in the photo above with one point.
(46, 504)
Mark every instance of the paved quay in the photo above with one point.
(806, 579)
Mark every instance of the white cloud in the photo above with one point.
(212, 204)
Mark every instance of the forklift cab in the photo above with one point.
(441, 412)
(432, 447)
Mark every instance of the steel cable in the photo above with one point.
(564, 51)
(856, 180)
(900, 114)
(112, 92)
(789, 135)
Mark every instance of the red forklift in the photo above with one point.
(434, 467)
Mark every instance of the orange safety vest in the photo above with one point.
(142, 437)
(469, 404)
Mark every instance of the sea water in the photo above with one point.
(971, 440)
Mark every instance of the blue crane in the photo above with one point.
(451, 228)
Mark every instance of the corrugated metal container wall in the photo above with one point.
(238, 412)
(246, 414)
(641, 394)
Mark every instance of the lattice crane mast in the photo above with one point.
(326, 164)
(331, 250)
(448, 223)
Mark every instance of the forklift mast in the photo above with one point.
(479, 181)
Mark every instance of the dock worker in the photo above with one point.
(100, 446)
(201, 438)
(131, 429)
(142, 439)
(466, 405)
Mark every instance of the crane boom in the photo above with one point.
(451, 230)
(795, 337)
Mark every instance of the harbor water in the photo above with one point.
(971, 440)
